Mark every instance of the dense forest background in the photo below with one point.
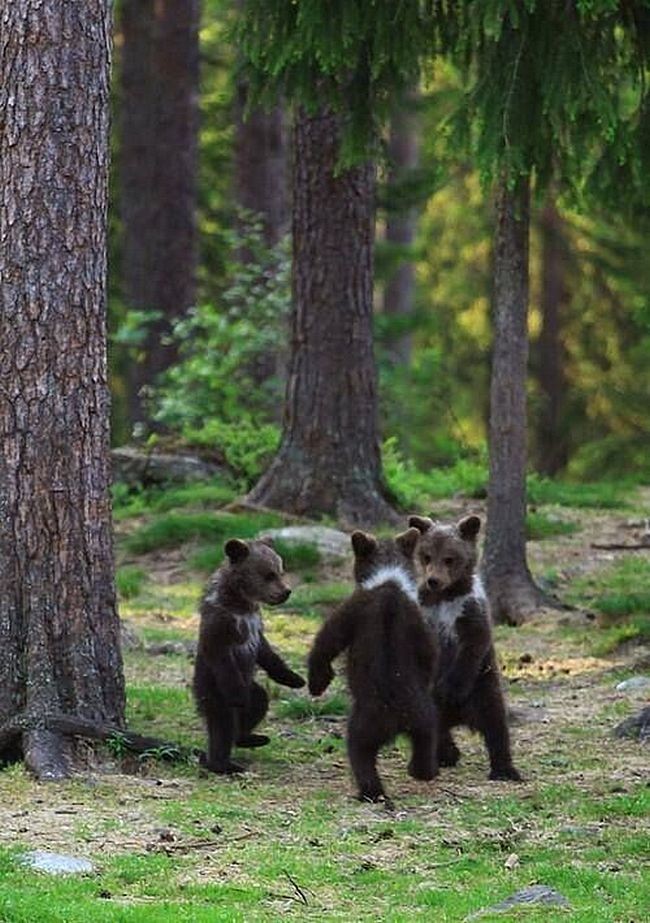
(589, 318)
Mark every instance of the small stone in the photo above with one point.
(535, 894)
(633, 684)
(511, 862)
(56, 863)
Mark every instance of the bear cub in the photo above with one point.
(468, 686)
(231, 644)
(391, 659)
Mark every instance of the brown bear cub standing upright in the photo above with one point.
(231, 644)
(390, 664)
(468, 686)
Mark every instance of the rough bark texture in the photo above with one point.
(513, 594)
(329, 460)
(59, 631)
(551, 438)
(399, 293)
(158, 169)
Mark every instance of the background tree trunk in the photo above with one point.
(329, 460)
(158, 174)
(59, 631)
(261, 165)
(512, 592)
(399, 291)
(552, 449)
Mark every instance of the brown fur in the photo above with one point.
(390, 663)
(231, 645)
(468, 687)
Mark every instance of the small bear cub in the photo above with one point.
(390, 662)
(231, 644)
(468, 686)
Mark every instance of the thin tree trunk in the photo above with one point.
(158, 175)
(329, 461)
(510, 587)
(261, 166)
(551, 437)
(399, 292)
(59, 631)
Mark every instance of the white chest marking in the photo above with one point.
(393, 574)
(252, 623)
(444, 615)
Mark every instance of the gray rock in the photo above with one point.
(137, 467)
(56, 863)
(535, 894)
(129, 637)
(633, 684)
(636, 726)
(331, 543)
(162, 648)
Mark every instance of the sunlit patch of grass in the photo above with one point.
(164, 600)
(297, 556)
(620, 593)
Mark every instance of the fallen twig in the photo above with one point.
(643, 546)
(297, 888)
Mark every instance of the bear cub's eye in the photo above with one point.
(449, 561)
(426, 558)
(270, 575)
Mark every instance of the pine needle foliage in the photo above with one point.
(548, 84)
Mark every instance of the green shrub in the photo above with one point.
(174, 529)
(247, 445)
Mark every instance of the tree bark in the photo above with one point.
(552, 448)
(399, 292)
(261, 165)
(158, 175)
(510, 587)
(59, 631)
(329, 460)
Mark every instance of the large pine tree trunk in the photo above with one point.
(510, 587)
(59, 631)
(399, 292)
(329, 461)
(158, 170)
(551, 437)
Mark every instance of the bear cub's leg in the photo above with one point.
(221, 732)
(448, 752)
(250, 717)
(364, 744)
(424, 760)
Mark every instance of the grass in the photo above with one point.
(131, 503)
(130, 581)
(540, 526)
(170, 530)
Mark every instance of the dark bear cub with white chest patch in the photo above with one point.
(391, 659)
(231, 644)
(468, 686)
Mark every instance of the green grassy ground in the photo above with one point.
(171, 843)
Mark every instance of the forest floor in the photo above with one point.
(170, 842)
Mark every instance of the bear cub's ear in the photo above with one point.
(236, 550)
(469, 528)
(363, 544)
(406, 541)
(421, 523)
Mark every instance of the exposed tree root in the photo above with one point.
(43, 742)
